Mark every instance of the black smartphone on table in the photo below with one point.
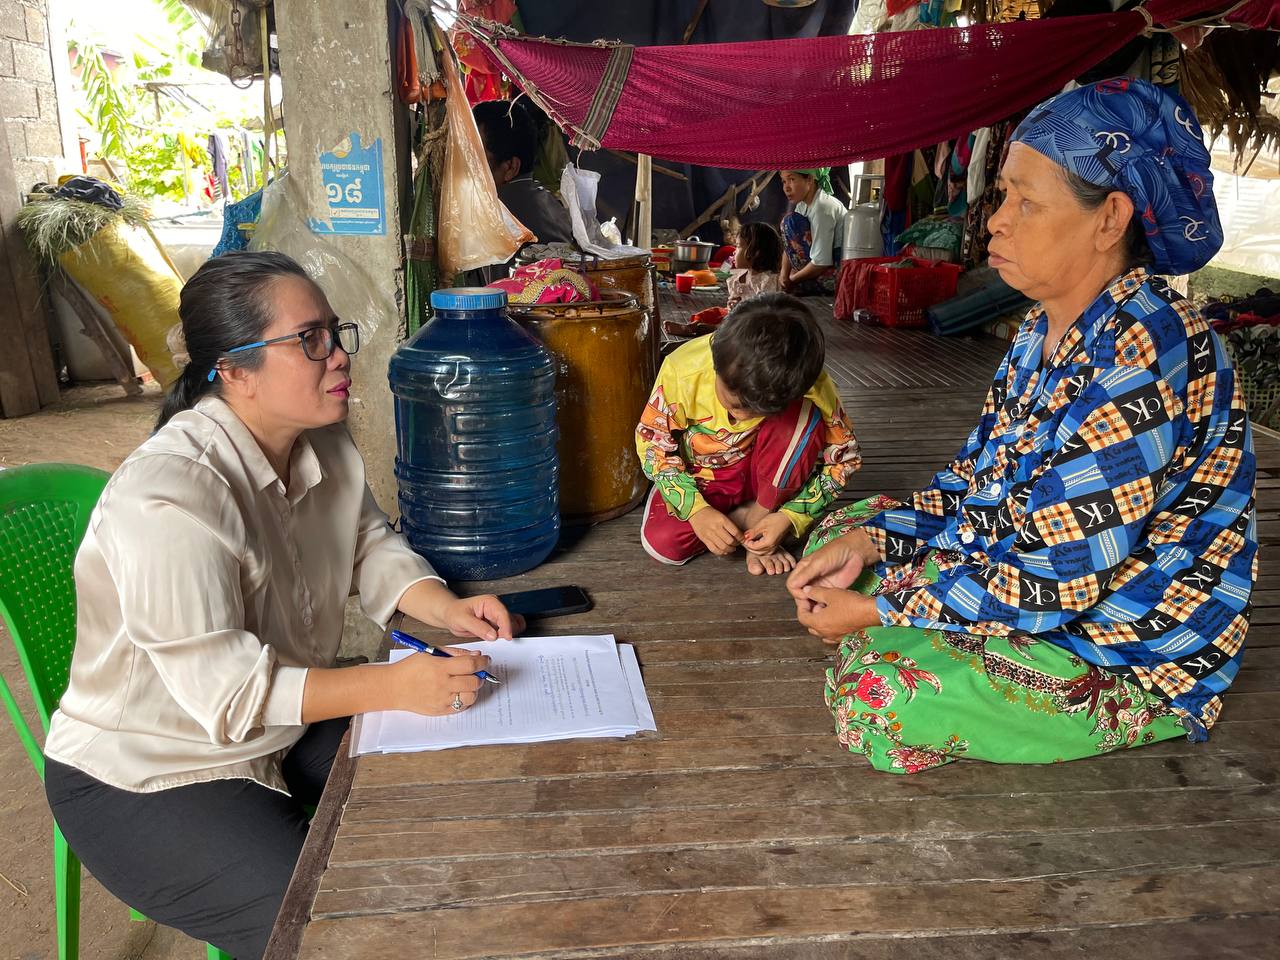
(547, 602)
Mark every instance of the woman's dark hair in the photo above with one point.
(759, 248)
(769, 351)
(225, 304)
(1091, 196)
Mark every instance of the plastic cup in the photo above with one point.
(684, 283)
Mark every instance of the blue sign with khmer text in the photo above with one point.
(352, 175)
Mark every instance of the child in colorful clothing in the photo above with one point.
(744, 439)
(755, 263)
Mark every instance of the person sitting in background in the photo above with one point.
(511, 146)
(755, 263)
(813, 232)
(744, 438)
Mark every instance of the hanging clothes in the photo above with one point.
(221, 162)
(246, 159)
(977, 177)
(973, 248)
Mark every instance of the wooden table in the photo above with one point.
(743, 831)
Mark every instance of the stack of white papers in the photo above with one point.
(553, 688)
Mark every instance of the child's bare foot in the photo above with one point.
(773, 564)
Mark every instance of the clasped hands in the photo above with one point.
(820, 585)
(721, 535)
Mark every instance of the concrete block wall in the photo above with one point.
(28, 99)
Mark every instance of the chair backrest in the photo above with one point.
(44, 511)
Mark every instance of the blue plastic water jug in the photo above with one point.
(476, 439)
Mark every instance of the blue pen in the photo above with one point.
(415, 644)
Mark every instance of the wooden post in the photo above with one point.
(28, 379)
(644, 201)
(268, 115)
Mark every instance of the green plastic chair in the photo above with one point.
(44, 510)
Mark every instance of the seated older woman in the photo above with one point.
(1078, 579)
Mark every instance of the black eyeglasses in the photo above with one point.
(318, 343)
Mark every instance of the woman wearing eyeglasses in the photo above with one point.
(204, 709)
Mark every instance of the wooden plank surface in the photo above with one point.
(1030, 903)
(742, 831)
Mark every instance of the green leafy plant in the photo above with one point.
(144, 122)
(178, 14)
(109, 103)
(156, 168)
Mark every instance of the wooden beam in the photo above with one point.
(728, 198)
(755, 190)
(725, 198)
(693, 23)
(28, 379)
(657, 167)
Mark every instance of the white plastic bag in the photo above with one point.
(578, 188)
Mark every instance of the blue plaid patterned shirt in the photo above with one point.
(1104, 503)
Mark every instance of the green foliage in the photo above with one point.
(52, 225)
(142, 132)
(178, 15)
(109, 104)
(156, 168)
(181, 52)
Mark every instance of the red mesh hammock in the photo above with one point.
(818, 101)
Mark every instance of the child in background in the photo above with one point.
(756, 263)
(744, 439)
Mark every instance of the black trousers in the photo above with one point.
(212, 859)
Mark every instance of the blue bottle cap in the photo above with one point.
(469, 298)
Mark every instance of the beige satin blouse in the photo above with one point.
(205, 589)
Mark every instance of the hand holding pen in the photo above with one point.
(414, 643)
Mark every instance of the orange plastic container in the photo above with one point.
(900, 295)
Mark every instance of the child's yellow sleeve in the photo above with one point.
(659, 450)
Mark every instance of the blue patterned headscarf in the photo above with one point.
(1144, 141)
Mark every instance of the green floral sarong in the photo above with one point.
(910, 699)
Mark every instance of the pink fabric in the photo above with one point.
(831, 100)
(547, 281)
(1261, 15)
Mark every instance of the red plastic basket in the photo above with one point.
(899, 295)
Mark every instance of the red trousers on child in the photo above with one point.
(786, 450)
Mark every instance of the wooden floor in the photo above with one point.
(743, 830)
